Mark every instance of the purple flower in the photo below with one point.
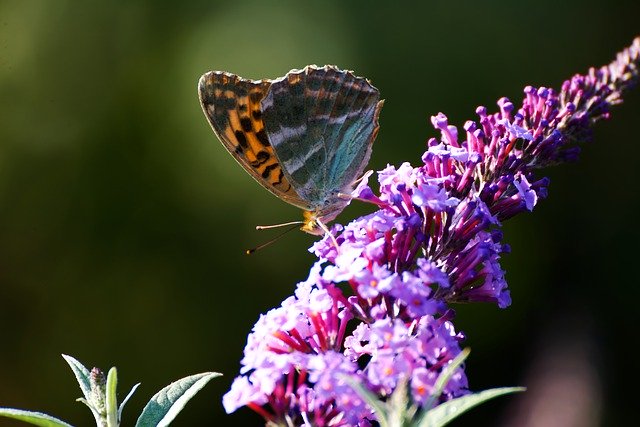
(328, 371)
(298, 355)
(242, 393)
(376, 308)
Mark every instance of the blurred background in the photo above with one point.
(123, 220)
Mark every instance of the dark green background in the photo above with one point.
(123, 221)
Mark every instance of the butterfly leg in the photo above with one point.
(364, 176)
(327, 231)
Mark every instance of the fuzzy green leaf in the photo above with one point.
(111, 398)
(34, 418)
(165, 405)
(447, 411)
(379, 407)
(399, 408)
(126, 399)
(445, 376)
(82, 376)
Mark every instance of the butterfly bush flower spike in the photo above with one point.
(377, 308)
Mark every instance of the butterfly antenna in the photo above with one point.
(266, 227)
(293, 225)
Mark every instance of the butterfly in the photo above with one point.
(306, 137)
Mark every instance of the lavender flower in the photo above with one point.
(376, 307)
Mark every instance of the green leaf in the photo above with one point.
(126, 399)
(447, 411)
(112, 400)
(445, 376)
(378, 407)
(165, 405)
(94, 412)
(399, 408)
(35, 418)
(82, 375)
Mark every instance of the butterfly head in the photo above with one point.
(310, 224)
(315, 221)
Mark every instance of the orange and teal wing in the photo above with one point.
(232, 106)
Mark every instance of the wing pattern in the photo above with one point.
(322, 123)
(232, 106)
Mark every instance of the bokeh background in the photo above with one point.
(123, 221)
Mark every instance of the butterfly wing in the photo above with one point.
(322, 123)
(232, 106)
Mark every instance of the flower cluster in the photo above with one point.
(375, 308)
